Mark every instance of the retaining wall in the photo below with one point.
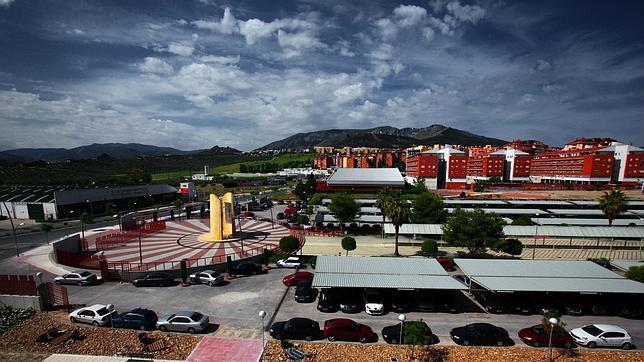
(22, 301)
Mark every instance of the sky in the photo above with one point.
(195, 74)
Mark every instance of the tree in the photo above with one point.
(110, 209)
(635, 273)
(86, 218)
(429, 247)
(613, 204)
(509, 246)
(416, 332)
(383, 201)
(302, 219)
(289, 244)
(46, 228)
(495, 180)
(474, 230)
(428, 209)
(398, 212)
(523, 220)
(304, 191)
(348, 244)
(419, 186)
(344, 208)
(481, 185)
(316, 199)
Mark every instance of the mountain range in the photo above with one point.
(96, 150)
(383, 137)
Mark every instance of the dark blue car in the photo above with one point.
(136, 319)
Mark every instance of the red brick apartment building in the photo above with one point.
(584, 165)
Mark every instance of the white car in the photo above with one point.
(290, 262)
(209, 277)
(97, 314)
(373, 302)
(602, 335)
(76, 278)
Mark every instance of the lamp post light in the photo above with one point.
(536, 229)
(91, 207)
(553, 323)
(272, 220)
(401, 318)
(262, 314)
(141, 222)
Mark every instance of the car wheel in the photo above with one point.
(626, 346)
(536, 344)
(79, 284)
(331, 338)
(308, 338)
(163, 328)
(499, 343)
(212, 284)
(58, 282)
(95, 323)
(394, 341)
(191, 330)
(591, 345)
(363, 340)
(278, 336)
(72, 319)
(567, 345)
(466, 342)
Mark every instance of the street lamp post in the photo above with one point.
(118, 216)
(401, 318)
(553, 322)
(536, 229)
(272, 220)
(91, 207)
(141, 222)
(262, 314)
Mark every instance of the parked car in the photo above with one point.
(327, 302)
(350, 301)
(401, 301)
(97, 314)
(448, 302)
(631, 311)
(136, 318)
(79, 278)
(524, 305)
(391, 334)
(154, 280)
(296, 328)
(373, 302)
(304, 293)
(184, 321)
(248, 269)
(537, 336)
(246, 214)
(493, 304)
(602, 335)
(426, 301)
(291, 262)
(599, 308)
(573, 308)
(280, 216)
(343, 329)
(480, 334)
(209, 277)
(550, 308)
(297, 277)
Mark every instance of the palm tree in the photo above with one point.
(383, 202)
(612, 204)
(398, 212)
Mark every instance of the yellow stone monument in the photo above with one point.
(222, 219)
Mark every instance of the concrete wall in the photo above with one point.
(70, 244)
(22, 301)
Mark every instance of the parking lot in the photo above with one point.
(233, 308)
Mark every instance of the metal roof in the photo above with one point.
(546, 275)
(76, 196)
(505, 211)
(585, 202)
(539, 202)
(360, 218)
(473, 202)
(588, 222)
(576, 211)
(366, 176)
(625, 264)
(529, 231)
(382, 272)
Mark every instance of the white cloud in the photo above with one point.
(428, 33)
(155, 65)
(255, 29)
(6, 3)
(181, 49)
(542, 66)
(409, 15)
(219, 59)
(342, 47)
(349, 92)
(439, 25)
(387, 28)
(298, 41)
(467, 13)
(227, 24)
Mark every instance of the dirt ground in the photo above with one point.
(93, 340)
(383, 353)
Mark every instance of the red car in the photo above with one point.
(290, 210)
(347, 330)
(537, 336)
(296, 278)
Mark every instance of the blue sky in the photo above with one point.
(194, 74)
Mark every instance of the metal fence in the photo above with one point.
(114, 239)
(17, 285)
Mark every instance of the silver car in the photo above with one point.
(79, 278)
(209, 277)
(184, 321)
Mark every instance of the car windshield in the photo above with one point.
(102, 311)
(538, 329)
(196, 316)
(85, 274)
(592, 330)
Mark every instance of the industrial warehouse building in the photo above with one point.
(53, 203)
(363, 179)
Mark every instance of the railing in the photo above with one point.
(79, 260)
(323, 232)
(109, 241)
(17, 285)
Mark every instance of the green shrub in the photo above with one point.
(348, 244)
(429, 247)
(635, 273)
(302, 219)
(9, 317)
(289, 244)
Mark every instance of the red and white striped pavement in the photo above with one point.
(179, 241)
